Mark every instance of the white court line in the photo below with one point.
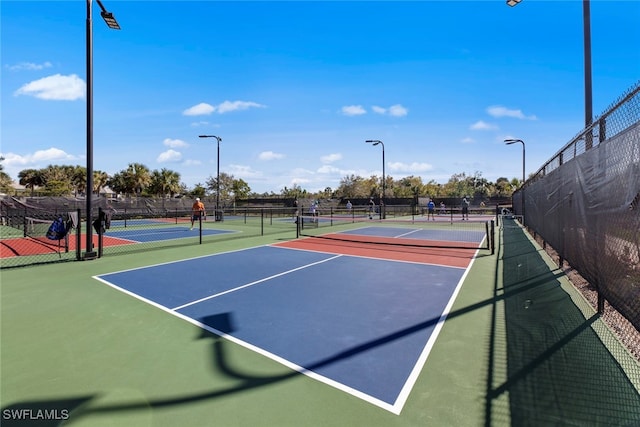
(408, 232)
(394, 408)
(253, 283)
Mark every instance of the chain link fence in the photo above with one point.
(585, 203)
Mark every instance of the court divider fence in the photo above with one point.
(28, 237)
(585, 203)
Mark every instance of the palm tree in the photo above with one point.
(79, 179)
(138, 177)
(165, 182)
(100, 180)
(31, 178)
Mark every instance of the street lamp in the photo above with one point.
(513, 141)
(218, 139)
(113, 24)
(384, 185)
(588, 90)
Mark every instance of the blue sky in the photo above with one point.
(295, 88)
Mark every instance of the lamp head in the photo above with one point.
(512, 141)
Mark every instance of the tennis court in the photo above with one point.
(15, 242)
(363, 322)
(346, 327)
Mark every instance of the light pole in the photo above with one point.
(513, 141)
(384, 185)
(113, 24)
(586, 32)
(218, 139)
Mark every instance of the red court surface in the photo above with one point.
(24, 246)
(453, 257)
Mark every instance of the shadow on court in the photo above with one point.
(558, 370)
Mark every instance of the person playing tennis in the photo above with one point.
(431, 210)
(197, 211)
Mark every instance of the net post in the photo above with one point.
(101, 216)
(200, 227)
(493, 237)
(262, 221)
(78, 236)
(297, 225)
(486, 230)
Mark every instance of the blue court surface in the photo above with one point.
(144, 235)
(474, 236)
(362, 325)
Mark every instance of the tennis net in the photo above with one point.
(472, 235)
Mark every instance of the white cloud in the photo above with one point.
(228, 106)
(191, 162)
(29, 66)
(243, 171)
(500, 111)
(398, 111)
(225, 107)
(301, 171)
(169, 156)
(481, 125)
(199, 110)
(328, 169)
(270, 155)
(353, 110)
(55, 88)
(468, 140)
(410, 167)
(174, 143)
(299, 181)
(39, 157)
(330, 158)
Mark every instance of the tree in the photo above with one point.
(137, 177)
(295, 192)
(57, 180)
(164, 182)
(198, 191)
(503, 187)
(118, 183)
(226, 185)
(240, 189)
(352, 186)
(5, 179)
(30, 178)
(100, 180)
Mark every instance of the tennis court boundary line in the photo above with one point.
(395, 408)
(264, 279)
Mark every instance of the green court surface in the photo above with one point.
(520, 347)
